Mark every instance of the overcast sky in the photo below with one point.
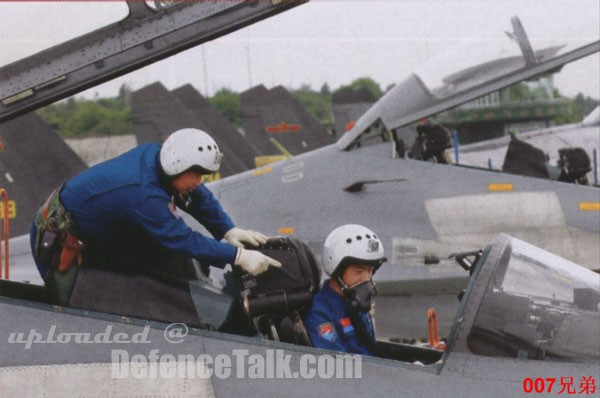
(324, 41)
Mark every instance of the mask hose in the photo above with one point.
(360, 298)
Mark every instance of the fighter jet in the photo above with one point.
(528, 322)
(424, 211)
(535, 341)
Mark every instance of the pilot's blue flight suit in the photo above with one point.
(124, 205)
(328, 323)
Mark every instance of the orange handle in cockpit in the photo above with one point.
(433, 330)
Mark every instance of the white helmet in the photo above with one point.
(188, 149)
(351, 244)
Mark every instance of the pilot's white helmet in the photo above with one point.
(190, 149)
(351, 244)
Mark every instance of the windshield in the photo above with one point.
(538, 306)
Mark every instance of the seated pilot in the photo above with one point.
(339, 318)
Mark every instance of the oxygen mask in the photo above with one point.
(360, 296)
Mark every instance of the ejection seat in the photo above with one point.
(275, 301)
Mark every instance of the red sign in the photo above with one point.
(283, 127)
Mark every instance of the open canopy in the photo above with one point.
(469, 71)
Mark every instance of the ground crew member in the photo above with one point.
(121, 214)
(339, 317)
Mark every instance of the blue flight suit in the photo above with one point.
(124, 204)
(328, 323)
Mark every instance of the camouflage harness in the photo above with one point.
(57, 245)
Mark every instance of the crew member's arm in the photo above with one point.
(205, 208)
(153, 214)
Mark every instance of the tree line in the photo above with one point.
(79, 118)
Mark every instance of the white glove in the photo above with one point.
(254, 262)
(236, 236)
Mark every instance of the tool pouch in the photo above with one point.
(71, 252)
(46, 247)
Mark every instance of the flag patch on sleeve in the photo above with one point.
(327, 331)
(346, 325)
